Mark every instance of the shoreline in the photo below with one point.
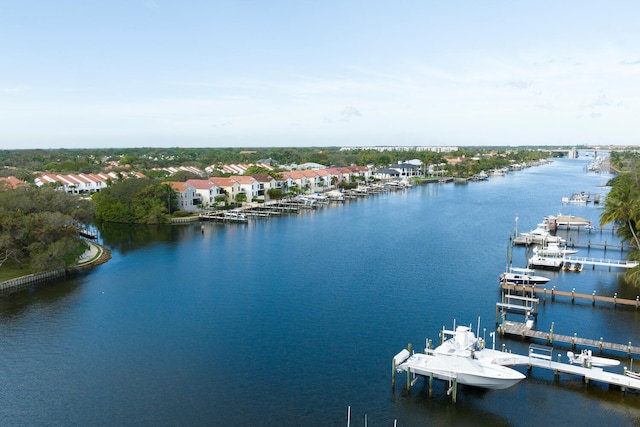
(96, 255)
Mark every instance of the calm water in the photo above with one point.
(286, 322)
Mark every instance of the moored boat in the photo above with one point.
(552, 263)
(586, 358)
(522, 276)
(461, 357)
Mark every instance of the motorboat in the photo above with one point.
(541, 235)
(586, 358)
(522, 276)
(577, 267)
(461, 357)
(554, 249)
(549, 262)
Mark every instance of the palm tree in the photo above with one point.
(623, 207)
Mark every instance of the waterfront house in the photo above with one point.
(188, 199)
(228, 186)
(406, 170)
(207, 191)
(265, 182)
(249, 186)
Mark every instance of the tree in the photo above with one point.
(42, 225)
(136, 200)
(622, 206)
(241, 198)
(274, 193)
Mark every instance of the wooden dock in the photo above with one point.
(552, 293)
(520, 330)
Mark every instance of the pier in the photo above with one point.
(610, 263)
(553, 293)
(517, 329)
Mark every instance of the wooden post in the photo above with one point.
(593, 298)
(408, 379)
(573, 341)
(544, 298)
(551, 333)
(393, 373)
(430, 384)
(573, 295)
(455, 389)
(615, 298)
(600, 344)
(553, 297)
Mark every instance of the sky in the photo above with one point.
(239, 73)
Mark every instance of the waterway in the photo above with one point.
(288, 321)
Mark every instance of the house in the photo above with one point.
(207, 191)
(406, 170)
(386, 174)
(11, 183)
(266, 183)
(83, 183)
(249, 186)
(188, 199)
(228, 187)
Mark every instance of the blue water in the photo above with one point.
(289, 321)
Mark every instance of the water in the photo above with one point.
(287, 322)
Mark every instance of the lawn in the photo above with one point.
(10, 270)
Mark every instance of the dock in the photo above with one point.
(534, 292)
(517, 329)
(416, 366)
(610, 263)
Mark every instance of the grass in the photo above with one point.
(11, 270)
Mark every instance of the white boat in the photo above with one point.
(522, 276)
(541, 235)
(586, 358)
(464, 358)
(554, 249)
(549, 262)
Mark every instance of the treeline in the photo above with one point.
(40, 226)
(22, 163)
(622, 206)
(136, 201)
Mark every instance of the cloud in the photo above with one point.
(636, 62)
(601, 101)
(349, 113)
(518, 84)
(346, 115)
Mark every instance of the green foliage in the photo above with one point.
(274, 193)
(42, 225)
(141, 201)
(622, 207)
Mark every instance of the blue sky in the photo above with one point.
(133, 73)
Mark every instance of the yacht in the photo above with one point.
(554, 249)
(463, 357)
(522, 276)
(541, 235)
(549, 262)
